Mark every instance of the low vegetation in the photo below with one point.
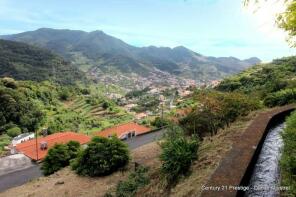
(178, 153)
(128, 188)
(102, 157)
(288, 159)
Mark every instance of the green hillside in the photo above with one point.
(25, 62)
(28, 106)
(274, 83)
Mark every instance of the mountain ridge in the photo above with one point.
(98, 51)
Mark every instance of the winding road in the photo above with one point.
(22, 176)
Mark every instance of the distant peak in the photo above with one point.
(253, 60)
(180, 48)
(97, 32)
(45, 29)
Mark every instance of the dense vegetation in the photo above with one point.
(272, 82)
(215, 110)
(17, 110)
(27, 106)
(102, 157)
(281, 97)
(59, 156)
(288, 159)
(25, 62)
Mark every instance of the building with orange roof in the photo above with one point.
(124, 131)
(28, 148)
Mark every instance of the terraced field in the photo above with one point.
(90, 112)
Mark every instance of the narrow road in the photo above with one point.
(20, 177)
(17, 178)
(144, 139)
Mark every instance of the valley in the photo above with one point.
(107, 59)
(90, 114)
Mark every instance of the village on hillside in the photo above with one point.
(144, 105)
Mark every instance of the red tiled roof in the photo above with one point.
(122, 129)
(29, 147)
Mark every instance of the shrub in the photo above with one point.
(102, 157)
(14, 131)
(73, 148)
(106, 105)
(59, 156)
(178, 153)
(160, 122)
(136, 180)
(288, 159)
(229, 85)
(64, 94)
(85, 91)
(9, 83)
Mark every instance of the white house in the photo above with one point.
(22, 138)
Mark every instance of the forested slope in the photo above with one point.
(25, 62)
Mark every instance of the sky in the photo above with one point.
(210, 27)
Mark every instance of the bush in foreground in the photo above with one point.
(102, 157)
(178, 153)
(136, 180)
(59, 156)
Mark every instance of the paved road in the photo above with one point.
(18, 178)
(144, 139)
(22, 176)
(14, 163)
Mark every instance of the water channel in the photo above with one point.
(265, 179)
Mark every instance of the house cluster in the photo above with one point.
(135, 81)
(37, 149)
